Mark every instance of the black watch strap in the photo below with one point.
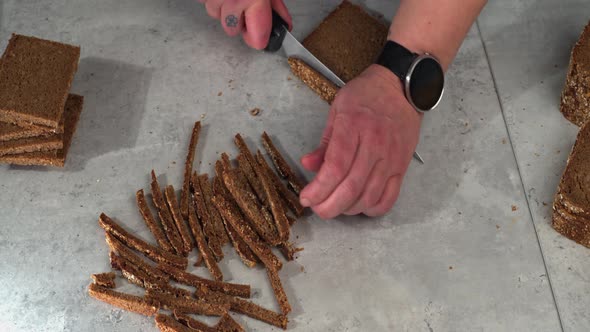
(396, 58)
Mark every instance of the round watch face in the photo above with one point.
(425, 83)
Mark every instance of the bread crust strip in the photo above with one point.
(167, 323)
(137, 304)
(106, 279)
(289, 199)
(248, 203)
(272, 196)
(245, 253)
(190, 279)
(151, 222)
(289, 250)
(202, 245)
(246, 307)
(193, 323)
(259, 248)
(228, 324)
(205, 218)
(122, 250)
(281, 165)
(215, 217)
(167, 223)
(188, 170)
(279, 291)
(178, 220)
(190, 306)
(154, 253)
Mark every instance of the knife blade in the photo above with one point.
(282, 39)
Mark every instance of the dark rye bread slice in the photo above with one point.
(348, 41)
(73, 109)
(575, 98)
(9, 132)
(572, 204)
(35, 77)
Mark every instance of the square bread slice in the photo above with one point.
(35, 77)
(72, 112)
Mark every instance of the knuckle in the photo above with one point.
(334, 170)
(351, 189)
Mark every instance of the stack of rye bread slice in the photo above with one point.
(348, 41)
(38, 116)
(571, 206)
(246, 205)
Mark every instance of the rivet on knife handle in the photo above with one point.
(277, 34)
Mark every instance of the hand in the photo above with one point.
(250, 18)
(365, 150)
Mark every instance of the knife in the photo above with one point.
(281, 38)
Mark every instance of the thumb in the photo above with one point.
(314, 160)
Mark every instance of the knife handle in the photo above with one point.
(277, 34)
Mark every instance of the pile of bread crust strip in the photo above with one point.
(247, 205)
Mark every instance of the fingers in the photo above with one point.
(340, 154)
(232, 17)
(351, 188)
(389, 197)
(313, 161)
(281, 9)
(258, 23)
(214, 8)
(374, 188)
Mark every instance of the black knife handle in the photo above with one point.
(277, 34)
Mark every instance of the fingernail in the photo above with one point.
(305, 202)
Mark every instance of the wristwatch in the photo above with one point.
(422, 75)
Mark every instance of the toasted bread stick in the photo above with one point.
(167, 223)
(249, 205)
(190, 279)
(193, 323)
(151, 222)
(214, 215)
(228, 324)
(225, 161)
(134, 274)
(178, 220)
(128, 302)
(233, 216)
(245, 253)
(202, 245)
(205, 218)
(289, 250)
(188, 170)
(154, 253)
(122, 250)
(189, 306)
(253, 180)
(106, 279)
(279, 291)
(289, 199)
(167, 323)
(245, 307)
(272, 197)
(281, 165)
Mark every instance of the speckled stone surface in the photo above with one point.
(454, 255)
(529, 44)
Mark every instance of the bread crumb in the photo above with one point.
(302, 268)
(514, 207)
(497, 226)
(219, 94)
(289, 78)
(450, 267)
(544, 204)
(503, 141)
(230, 81)
(255, 111)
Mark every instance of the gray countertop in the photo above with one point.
(453, 255)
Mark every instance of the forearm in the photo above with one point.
(437, 27)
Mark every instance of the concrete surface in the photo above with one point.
(460, 251)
